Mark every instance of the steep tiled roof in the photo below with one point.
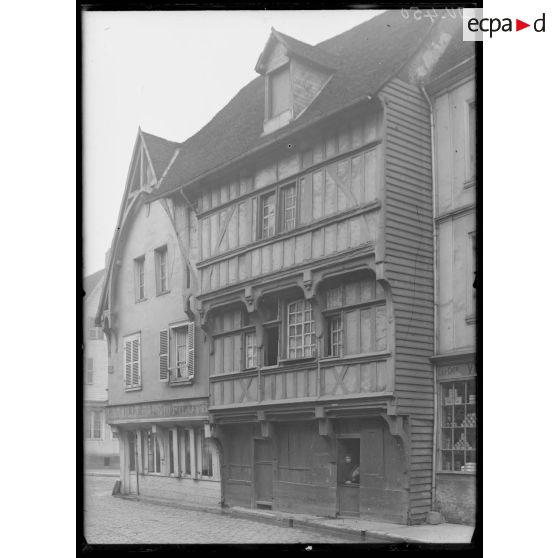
(369, 55)
(160, 152)
(457, 51)
(90, 282)
(309, 52)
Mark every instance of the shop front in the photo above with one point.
(457, 438)
(164, 452)
(330, 465)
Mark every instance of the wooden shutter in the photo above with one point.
(136, 369)
(164, 355)
(128, 364)
(191, 349)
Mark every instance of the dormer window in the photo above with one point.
(279, 91)
(295, 74)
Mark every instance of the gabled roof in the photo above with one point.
(299, 49)
(160, 152)
(369, 55)
(91, 281)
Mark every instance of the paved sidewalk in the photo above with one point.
(368, 530)
(103, 472)
(363, 530)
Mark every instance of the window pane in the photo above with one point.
(268, 215)
(300, 322)
(289, 207)
(280, 85)
(186, 466)
(458, 426)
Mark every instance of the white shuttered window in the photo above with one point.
(181, 352)
(132, 362)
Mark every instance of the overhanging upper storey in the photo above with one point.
(295, 74)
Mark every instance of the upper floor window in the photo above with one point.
(94, 425)
(161, 264)
(278, 210)
(139, 271)
(89, 371)
(176, 353)
(288, 207)
(132, 362)
(279, 90)
(472, 140)
(93, 331)
(301, 331)
(355, 316)
(268, 215)
(471, 278)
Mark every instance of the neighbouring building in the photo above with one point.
(290, 355)
(452, 92)
(100, 444)
(158, 384)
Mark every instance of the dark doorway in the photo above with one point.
(271, 345)
(263, 473)
(348, 475)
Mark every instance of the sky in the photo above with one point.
(168, 73)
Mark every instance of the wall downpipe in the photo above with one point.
(435, 273)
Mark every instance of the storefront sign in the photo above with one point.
(456, 370)
(157, 410)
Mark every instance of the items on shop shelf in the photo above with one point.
(462, 443)
(470, 420)
(472, 398)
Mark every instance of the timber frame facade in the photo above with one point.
(307, 262)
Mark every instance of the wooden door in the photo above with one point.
(348, 486)
(263, 473)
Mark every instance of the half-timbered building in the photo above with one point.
(302, 218)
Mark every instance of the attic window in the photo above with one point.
(279, 87)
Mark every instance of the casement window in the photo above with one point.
(206, 456)
(250, 349)
(234, 341)
(267, 205)
(132, 362)
(279, 91)
(288, 207)
(177, 352)
(356, 319)
(94, 425)
(94, 332)
(161, 265)
(458, 426)
(151, 452)
(278, 210)
(471, 278)
(139, 272)
(185, 444)
(301, 331)
(335, 336)
(132, 451)
(270, 307)
(471, 161)
(89, 371)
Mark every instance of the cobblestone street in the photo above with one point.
(110, 520)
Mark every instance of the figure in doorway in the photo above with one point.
(350, 471)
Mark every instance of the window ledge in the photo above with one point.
(187, 382)
(163, 293)
(471, 319)
(295, 360)
(467, 473)
(138, 388)
(471, 183)
(138, 300)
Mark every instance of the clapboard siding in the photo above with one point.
(409, 270)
